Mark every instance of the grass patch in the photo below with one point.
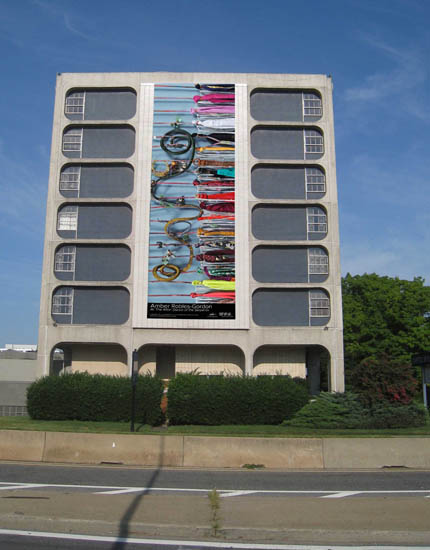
(25, 423)
(78, 426)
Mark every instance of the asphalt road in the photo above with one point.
(284, 508)
(233, 480)
(14, 542)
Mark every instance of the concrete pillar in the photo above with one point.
(336, 375)
(248, 355)
(313, 366)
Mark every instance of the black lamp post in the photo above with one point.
(134, 371)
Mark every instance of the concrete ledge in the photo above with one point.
(376, 452)
(21, 445)
(215, 452)
(145, 450)
(233, 452)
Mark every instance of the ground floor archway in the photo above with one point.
(94, 358)
(168, 360)
(307, 362)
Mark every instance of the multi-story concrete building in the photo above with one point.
(193, 218)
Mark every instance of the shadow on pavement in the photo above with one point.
(124, 526)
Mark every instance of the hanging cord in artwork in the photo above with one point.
(175, 142)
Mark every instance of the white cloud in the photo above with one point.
(57, 11)
(402, 88)
(73, 28)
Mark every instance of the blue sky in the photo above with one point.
(376, 50)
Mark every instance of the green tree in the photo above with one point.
(384, 316)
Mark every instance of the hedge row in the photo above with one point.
(346, 410)
(223, 400)
(211, 400)
(82, 396)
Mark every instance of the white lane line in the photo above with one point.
(20, 486)
(195, 543)
(62, 485)
(223, 492)
(115, 489)
(121, 490)
(342, 494)
(236, 493)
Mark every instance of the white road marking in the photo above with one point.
(116, 490)
(20, 486)
(62, 485)
(121, 490)
(342, 494)
(195, 543)
(236, 493)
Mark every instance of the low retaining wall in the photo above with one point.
(22, 445)
(233, 452)
(411, 452)
(144, 450)
(215, 452)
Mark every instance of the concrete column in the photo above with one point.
(129, 351)
(249, 360)
(336, 376)
(313, 367)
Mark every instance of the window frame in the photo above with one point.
(62, 298)
(75, 103)
(73, 145)
(314, 172)
(321, 221)
(313, 142)
(60, 263)
(319, 304)
(68, 211)
(317, 267)
(315, 98)
(66, 184)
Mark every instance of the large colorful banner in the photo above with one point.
(192, 214)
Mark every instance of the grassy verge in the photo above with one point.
(24, 423)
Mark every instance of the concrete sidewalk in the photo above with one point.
(242, 519)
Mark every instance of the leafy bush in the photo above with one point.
(386, 415)
(331, 410)
(347, 411)
(218, 400)
(381, 378)
(83, 396)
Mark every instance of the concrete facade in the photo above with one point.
(273, 330)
